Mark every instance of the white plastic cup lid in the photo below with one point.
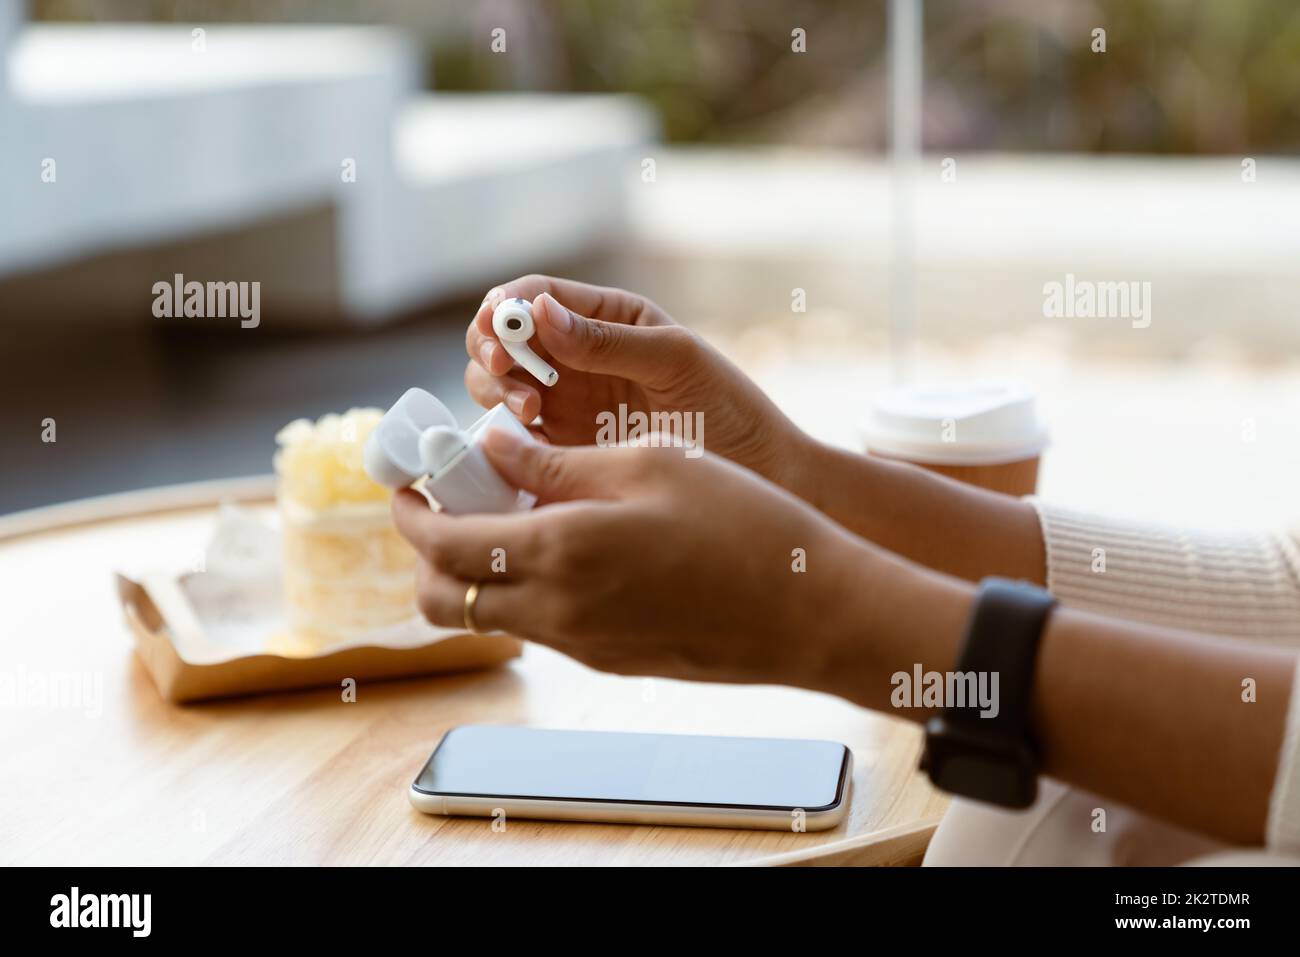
(956, 423)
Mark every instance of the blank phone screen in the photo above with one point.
(485, 761)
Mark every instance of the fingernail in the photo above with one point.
(515, 401)
(486, 352)
(558, 315)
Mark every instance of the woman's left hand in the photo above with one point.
(644, 561)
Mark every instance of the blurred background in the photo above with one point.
(839, 194)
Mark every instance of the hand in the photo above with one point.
(614, 348)
(650, 563)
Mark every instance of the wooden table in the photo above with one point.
(118, 776)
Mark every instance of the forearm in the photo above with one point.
(932, 520)
(1156, 719)
(1151, 718)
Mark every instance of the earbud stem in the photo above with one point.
(534, 363)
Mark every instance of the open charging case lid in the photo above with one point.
(392, 453)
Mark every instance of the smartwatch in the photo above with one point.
(990, 754)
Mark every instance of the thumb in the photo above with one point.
(647, 355)
(552, 473)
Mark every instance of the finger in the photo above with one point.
(481, 339)
(553, 473)
(646, 354)
(603, 303)
(471, 547)
(415, 520)
(487, 390)
(500, 606)
(484, 348)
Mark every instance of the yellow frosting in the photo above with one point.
(320, 463)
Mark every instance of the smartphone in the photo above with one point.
(685, 779)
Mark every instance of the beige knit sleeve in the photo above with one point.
(1242, 585)
(1237, 584)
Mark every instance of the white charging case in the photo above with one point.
(462, 486)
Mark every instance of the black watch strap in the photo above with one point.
(1002, 638)
(993, 757)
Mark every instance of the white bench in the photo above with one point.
(158, 138)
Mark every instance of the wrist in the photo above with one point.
(805, 466)
(842, 485)
(892, 616)
(845, 620)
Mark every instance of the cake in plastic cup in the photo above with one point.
(984, 433)
(347, 571)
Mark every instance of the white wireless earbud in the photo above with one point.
(439, 447)
(512, 321)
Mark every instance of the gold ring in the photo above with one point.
(471, 599)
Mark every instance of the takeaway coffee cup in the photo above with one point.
(984, 433)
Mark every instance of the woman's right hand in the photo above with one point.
(615, 348)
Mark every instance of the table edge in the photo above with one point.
(147, 501)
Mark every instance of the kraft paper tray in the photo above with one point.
(163, 620)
